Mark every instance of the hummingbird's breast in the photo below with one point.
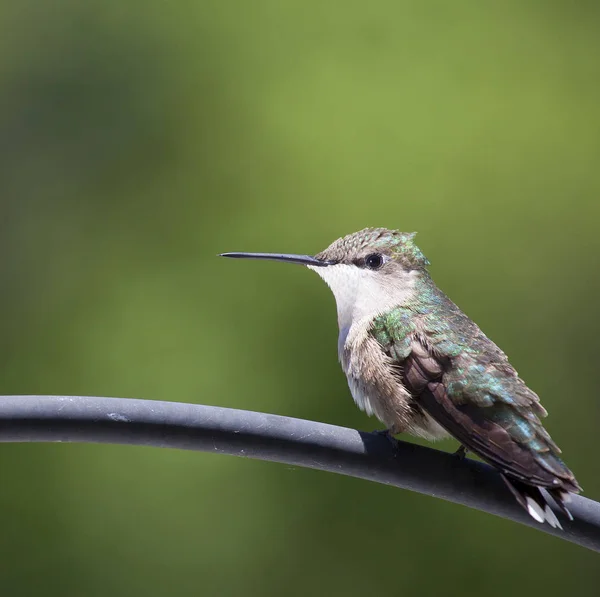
(378, 390)
(362, 295)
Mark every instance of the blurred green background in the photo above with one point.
(140, 139)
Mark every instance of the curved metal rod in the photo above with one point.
(281, 439)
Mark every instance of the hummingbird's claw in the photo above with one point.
(389, 435)
(461, 453)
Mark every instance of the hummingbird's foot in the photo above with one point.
(389, 434)
(461, 453)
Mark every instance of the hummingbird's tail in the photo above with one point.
(536, 504)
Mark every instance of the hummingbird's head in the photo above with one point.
(369, 272)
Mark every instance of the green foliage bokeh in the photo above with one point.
(140, 139)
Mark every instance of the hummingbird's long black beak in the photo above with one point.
(303, 259)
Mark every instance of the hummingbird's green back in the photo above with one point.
(482, 393)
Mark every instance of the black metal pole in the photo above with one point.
(280, 439)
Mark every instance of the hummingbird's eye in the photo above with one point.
(374, 260)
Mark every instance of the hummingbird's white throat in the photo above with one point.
(362, 294)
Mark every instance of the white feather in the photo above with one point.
(535, 510)
(551, 518)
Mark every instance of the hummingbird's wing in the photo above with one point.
(465, 382)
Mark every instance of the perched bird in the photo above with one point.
(420, 365)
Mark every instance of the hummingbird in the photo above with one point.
(421, 366)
